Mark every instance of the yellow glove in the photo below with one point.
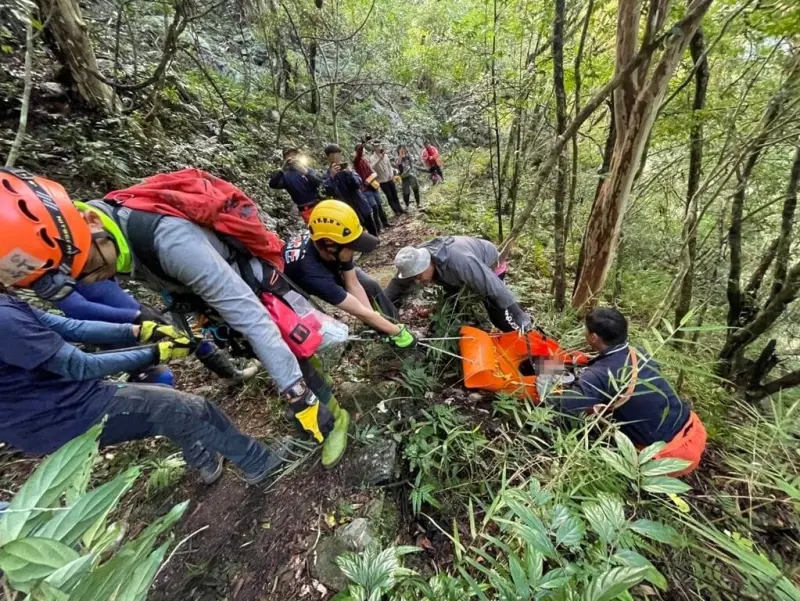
(173, 349)
(152, 331)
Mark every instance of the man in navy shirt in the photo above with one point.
(321, 262)
(51, 392)
(301, 182)
(627, 384)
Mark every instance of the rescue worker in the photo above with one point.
(51, 391)
(626, 384)
(458, 262)
(301, 182)
(107, 301)
(322, 263)
(166, 253)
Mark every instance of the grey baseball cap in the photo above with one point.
(411, 262)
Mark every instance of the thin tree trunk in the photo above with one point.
(634, 123)
(701, 76)
(790, 380)
(734, 287)
(608, 151)
(560, 260)
(787, 224)
(573, 184)
(76, 53)
(496, 165)
(16, 145)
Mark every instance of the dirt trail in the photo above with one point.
(258, 544)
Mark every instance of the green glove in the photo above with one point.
(403, 339)
(155, 332)
(173, 349)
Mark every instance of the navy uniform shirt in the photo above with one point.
(306, 268)
(304, 189)
(653, 413)
(39, 410)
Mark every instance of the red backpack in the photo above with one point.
(208, 201)
(213, 203)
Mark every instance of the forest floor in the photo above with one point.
(258, 543)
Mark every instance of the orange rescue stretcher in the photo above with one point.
(506, 362)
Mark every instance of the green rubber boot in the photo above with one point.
(336, 441)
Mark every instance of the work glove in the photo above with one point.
(147, 313)
(150, 332)
(404, 339)
(173, 349)
(311, 416)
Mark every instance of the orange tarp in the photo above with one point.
(492, 361)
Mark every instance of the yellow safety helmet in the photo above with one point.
(337, 222)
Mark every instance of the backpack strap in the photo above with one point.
(141, 229)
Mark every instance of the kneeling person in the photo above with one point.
(644, 403)
(51, 391)
(458, 262)
(321, 262)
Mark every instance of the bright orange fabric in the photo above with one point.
(688, 444)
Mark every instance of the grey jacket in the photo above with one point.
(200, 260)
(464, 262)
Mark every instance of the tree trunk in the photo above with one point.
(635, 114)
(697, 49)
(608, 151)
(16, 145)
(312, 72)
(573, 172)
(74, 50)
(790, 380)
(784, 244)
(560, 260)
(736, 300)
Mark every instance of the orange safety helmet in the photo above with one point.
(45, 241)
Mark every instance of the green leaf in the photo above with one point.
(570, 533)
(47, 592)
(606, 516)
(143, 576)
(661, 467)
(519, 577)
(554, 579)
(68, 576)
(656, 531)
(628, 557)
(613, 582)
(112, 576)
(664, 484)
(534, 563)
(28, 560)
(618, 463)
(68, 526)
(627, 449)
(651, 451)
(45, 487)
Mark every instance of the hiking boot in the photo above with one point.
(336, 441)
(213, 471)
(275, 459)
